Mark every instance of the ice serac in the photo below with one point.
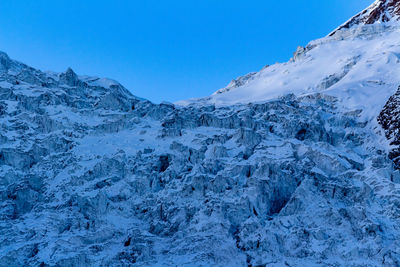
(294, 165)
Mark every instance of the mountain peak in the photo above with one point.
(4, 61)
(69, 77)
(380, 11)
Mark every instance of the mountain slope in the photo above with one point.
(91, 175)
(381, 11)
(358, 64)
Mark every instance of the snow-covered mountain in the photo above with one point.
(381, 11)
(357, 62)
(295, 165)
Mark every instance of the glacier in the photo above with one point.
(295, 165)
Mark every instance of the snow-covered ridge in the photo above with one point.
(19, 76)
(381, 11)
(91, 175)
(285, 167)
(359, 65)
(295, 180)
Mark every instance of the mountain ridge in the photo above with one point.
(356, 64)
(287, 166)
(381, 11)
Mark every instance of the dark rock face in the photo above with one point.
(4, 61)
(389, 119)
(380, 11)
(384, 11)
(69, 77)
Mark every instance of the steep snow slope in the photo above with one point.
(358, 63)
(91, 175)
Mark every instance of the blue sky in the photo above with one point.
(165, 50)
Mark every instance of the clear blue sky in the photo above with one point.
(165, 50)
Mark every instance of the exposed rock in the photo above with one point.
(380, 11)
(389, 119)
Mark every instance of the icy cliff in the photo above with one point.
(290, 166)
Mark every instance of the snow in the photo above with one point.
(299, 177)
(364, 60)
(4, 84)
(104, 82)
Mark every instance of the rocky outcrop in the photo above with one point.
(389, 119)
(379, 12)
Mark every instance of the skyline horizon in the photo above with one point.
(173, 76)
